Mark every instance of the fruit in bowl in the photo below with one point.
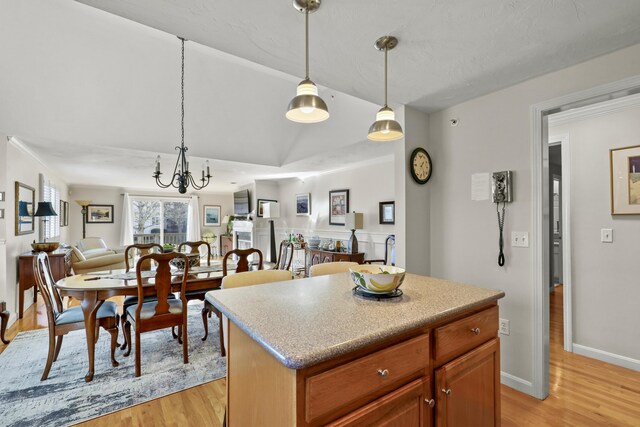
(377, 279)
(168, 247)
(194, 259)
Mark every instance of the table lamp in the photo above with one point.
(271, 211)
(353, 221)
(84, 204)
(45, 210)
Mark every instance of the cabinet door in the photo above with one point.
(325, 258)
(407, 406)
(468, 388)
(316, 258)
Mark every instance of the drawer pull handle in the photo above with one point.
(383, 372)
(430, 402)
(476, 331)
(447, 391)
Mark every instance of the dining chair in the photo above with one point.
(163, 312)
(330, 268)
(247, 278)
(194, 247)
(389, 252)
(61, 321)
(130, 253)
(285, 255)
(242, 265)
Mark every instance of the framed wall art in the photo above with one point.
(387, 212)
(99, 214)
(211, 216)
(303, 204)
(25, 201)
(624, 165)
(260, 210)
(338, 206)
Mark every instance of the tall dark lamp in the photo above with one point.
(353, 222)
(271, 211)
(84, 204)
(45, 210)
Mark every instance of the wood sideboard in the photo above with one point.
(60, 261)
(320, 256)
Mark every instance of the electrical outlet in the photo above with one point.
(606, 235)
(504, 328)
(520, 239)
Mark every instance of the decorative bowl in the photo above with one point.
(194, 259)
(377, 279)
(313, 242)
(45, 247)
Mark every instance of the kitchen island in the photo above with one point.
(308, 352)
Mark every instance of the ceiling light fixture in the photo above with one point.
(307, 106)
(385, 128)
(182, 178)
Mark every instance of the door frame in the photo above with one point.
(540, 212)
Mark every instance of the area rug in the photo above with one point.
(65, 398)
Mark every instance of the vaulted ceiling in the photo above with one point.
(96, 93)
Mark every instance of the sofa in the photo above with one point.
(92, 254)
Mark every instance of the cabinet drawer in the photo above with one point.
(407, 407)
(460, 336)
(353, 381)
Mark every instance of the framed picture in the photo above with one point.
(99, 214)
(260, 212)
(25, 201)
(625, 180)
(1, 196)
(62, 213)
(338, 206)
(387, 212)
(211, 216)
(66, 213)
(303, 204)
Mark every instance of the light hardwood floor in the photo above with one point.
(584, 392)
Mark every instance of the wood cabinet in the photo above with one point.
(60, 261)
(444, 374)
(319, 256)
(226, 244)
(468, 388)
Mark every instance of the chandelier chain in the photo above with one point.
(386, 52)
(306, 41)
(182, 95)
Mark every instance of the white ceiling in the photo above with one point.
(97, 96)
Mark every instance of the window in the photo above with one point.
(159, 220)
(50, 226)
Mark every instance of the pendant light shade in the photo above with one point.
(385, 128)
(307, 106)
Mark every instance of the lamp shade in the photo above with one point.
(270, 210)
(83, 203)
(385, 128)
(225, 220)
(45, 209)
(25, 208)
(354, 221)
(307, 106)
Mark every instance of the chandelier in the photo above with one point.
(182, 177)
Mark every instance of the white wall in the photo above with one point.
(367, 184)
(604, 275)
(114, 196)
(23, 167)
(494, 134)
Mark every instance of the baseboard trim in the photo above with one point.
(516, 383)
(605, 356)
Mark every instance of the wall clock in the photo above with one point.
(420, 165)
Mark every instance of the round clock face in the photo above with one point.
(420, 165)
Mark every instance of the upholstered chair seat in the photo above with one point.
(149, 309)
(74, 314)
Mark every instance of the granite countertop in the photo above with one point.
(307, 321)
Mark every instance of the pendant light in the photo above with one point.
(182, 177)
(307, 106)
(385, 128)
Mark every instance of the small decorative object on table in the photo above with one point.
(168, 247)
(379, 279)
(194, 259)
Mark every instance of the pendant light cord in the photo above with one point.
(182, 95)
(386, 51)
(306, 41)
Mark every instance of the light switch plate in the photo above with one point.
(520, 239)
(606, 235)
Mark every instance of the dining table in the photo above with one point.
(93, 289)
